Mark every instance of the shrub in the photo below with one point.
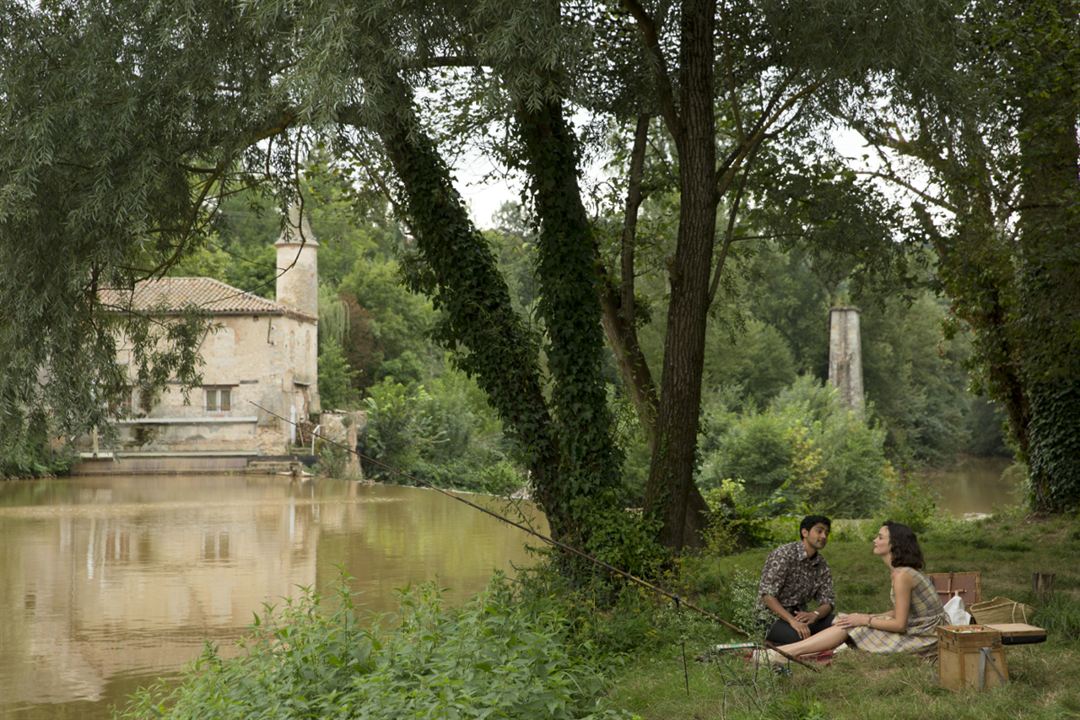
(735, 523)
(803, 453)
(495, 657)
(393, 434)
(757, 451)
(442, 433)
(337, 379)
(333, 460)
(740, 605)
(605, 616)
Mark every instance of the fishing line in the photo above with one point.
(679, 601)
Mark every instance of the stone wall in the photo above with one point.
(268, 360)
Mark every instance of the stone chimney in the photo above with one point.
(845, 357)
(298, 266)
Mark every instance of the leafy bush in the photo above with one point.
(333, 460)
(740, 603)
(758, 452)
(442, 433)
(26, 449)
(496, 657)
(336, 377)
(606, 617)
(803, 453)
(735, 523)
(394, 434)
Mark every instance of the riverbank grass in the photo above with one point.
(1005, 549)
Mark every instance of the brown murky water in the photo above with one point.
(975, 485)
(108, 583)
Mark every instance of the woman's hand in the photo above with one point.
(851, 620)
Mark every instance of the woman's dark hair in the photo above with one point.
(904, 546)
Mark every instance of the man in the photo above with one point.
(795, 574)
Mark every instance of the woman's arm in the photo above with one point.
(893, 621)
(896, 620)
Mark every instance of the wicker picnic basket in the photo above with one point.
(1001, 610)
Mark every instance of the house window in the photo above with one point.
(218, 399)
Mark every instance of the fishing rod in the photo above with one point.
(675, 598)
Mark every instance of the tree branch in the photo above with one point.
(729, 234)
(649, 34)
(727, 169)
(634, 198)
(894, 179)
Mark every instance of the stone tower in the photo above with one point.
(845, 357)
(298, 290)
(298, 265)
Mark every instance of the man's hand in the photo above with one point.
(800, 627)
(807, 617)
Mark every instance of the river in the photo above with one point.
(974, 486)
(109, 583)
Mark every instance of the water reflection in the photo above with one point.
(106, 582)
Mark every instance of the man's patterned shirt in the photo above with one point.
(794, 579)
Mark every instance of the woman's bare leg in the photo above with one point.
(827, 639)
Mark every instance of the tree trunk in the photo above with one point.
(466, 286)
(619, 307)
(630, 360)
(590, 467)
(668, 491)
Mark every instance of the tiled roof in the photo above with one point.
(177, 294)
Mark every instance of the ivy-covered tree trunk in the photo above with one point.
(590, 467)
(465, 284)
(1049, 252)
(671, 474)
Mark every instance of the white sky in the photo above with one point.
(483, 195)
(485, 187)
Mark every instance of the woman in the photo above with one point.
(911, 624)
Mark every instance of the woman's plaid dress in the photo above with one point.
(924, 616)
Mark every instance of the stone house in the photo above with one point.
(256, 351)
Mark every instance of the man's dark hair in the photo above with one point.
(810, 521)
(904, 546)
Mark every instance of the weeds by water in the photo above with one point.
(496, 657)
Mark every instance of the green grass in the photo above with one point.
(1005, 550)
